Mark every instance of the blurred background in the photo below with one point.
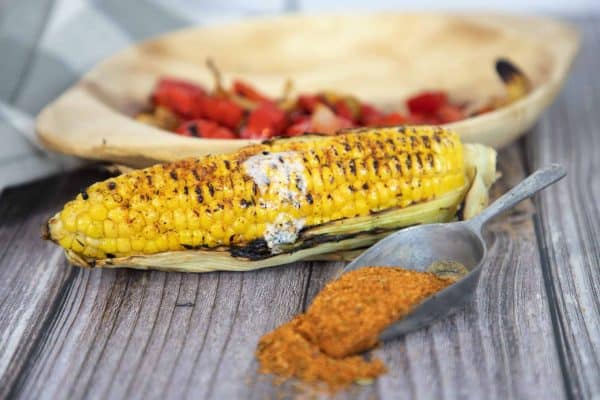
(46, 45)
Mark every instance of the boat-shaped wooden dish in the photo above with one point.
(381, 58)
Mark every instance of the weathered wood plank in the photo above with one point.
(131, 334)
(569, 216)
(32, 272)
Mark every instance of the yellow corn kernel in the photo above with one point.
(98, 212)
(109, 245)
(138, 244)
(110, 229)
(95, 229)
(123, 245)
(117, 214)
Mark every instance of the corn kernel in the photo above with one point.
(123, 245)
(95, 229)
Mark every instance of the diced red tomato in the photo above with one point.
(264, 122)
(392, 119)
(449, 113)
(421, 119)
(220, 110)
(205, 129)
(246, 90)
(300, 127)
(369, 115)
(427, 102)
(179, 96)
(342, 109)
(308, 102)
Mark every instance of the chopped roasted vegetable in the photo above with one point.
(205, 129)
(266, 121)
(427, 102)
(248, 113)
(181, 97)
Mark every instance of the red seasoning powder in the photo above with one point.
(323, 345)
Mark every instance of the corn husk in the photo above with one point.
(337, 240)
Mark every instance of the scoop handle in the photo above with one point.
(535, 182)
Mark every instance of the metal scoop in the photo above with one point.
(418, 247)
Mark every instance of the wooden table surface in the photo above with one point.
(533, 330)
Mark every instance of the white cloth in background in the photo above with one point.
(73, 36)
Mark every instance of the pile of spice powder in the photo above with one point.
(322, 345)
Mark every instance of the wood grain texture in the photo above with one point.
(130, 334)
(568, 221)
(32, 272)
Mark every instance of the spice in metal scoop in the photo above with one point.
(323, 345)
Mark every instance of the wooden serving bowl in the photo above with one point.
(381, 58)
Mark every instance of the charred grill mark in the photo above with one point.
(401, 129)
(419, 161)
(376, 165)
(111, 185)
(149, 180)
(255, 189)
(227, 164)
(199, 196)
(408, 162)
(309, 198)
(507, 70)
(195, 173)
(365, 186)
(193, 129)
(245, 203)
(426, 141)
(353, 167)
(211, 189)
(257, 249)
(84, 194)
(347, 146)
(430, 159)
(185, 190)
(173, 174)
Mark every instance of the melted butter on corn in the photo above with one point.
(269, 191)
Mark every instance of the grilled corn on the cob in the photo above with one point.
(268, 203)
